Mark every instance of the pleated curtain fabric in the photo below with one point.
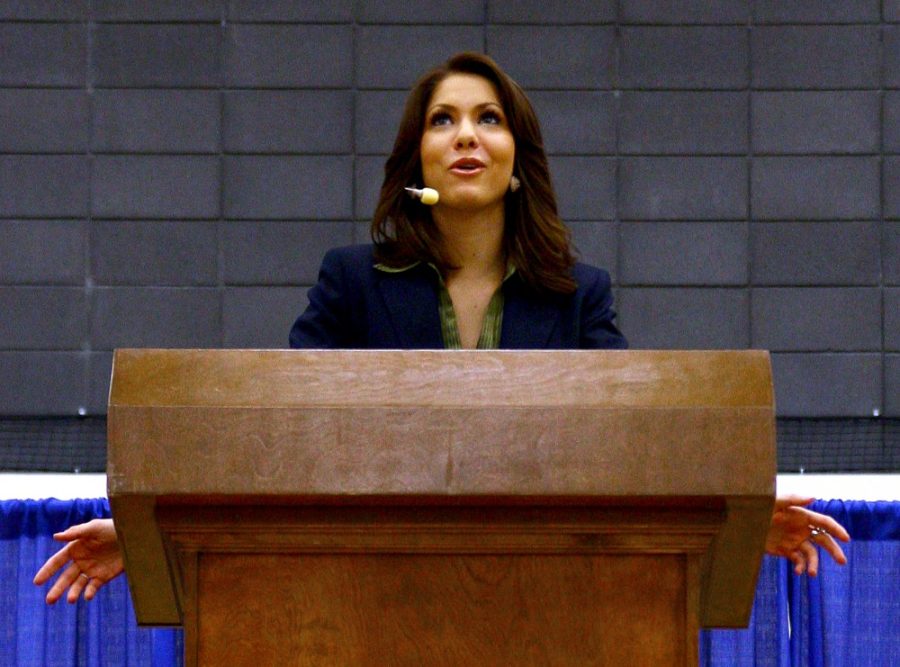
(846, 616)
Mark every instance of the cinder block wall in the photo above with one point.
(172, 172)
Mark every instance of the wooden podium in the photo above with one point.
(441, 507)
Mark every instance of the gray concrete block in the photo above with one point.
(542, 56)
(155, 121)
(297, 121)
(815, 253)
(423, 11)
(816, 11)
(41, 383)
(393, 56)
(377, 116)
(827, 385)
(131, 55)
(155, 317)
(683, 122)
(596, 244)
(816, 319)
(43, 121)
(585, 187)
(289, 11)
(542, 13)
(686, 318)
(43, 54)
(43, 10)
(43, 185)
(823, 56)
(155, 186)
(98, 373)
(42, 252)
(369, 175)
(260, 317)
(576, 122)
(153, 10)
(278, 253)
(362, 231)
(42, 318)
(683, 253)
(296, 188)
(891, 10)
(891, 175)
(817, 188)
(154, 253)
(891, 122)
(891, 38)
(686, 11)
(892, 319)
(288, 55)
(891, 385)
(891, 253)
(816, 122)
(683, 188)
(693, 57)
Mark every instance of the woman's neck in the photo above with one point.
(473, 243)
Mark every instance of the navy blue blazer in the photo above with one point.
(356, 306)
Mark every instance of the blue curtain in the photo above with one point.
(847, 616)
(102, 632)
(851, 615)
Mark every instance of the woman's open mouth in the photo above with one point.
(467, 166)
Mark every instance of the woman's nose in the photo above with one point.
(466, 137)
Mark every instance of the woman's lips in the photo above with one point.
(467, 166)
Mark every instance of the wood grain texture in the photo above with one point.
(357, 378)
(442, 610)
(474, 466)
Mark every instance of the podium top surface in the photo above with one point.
(441, 423)
(347, 378)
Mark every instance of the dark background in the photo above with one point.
(172, 172)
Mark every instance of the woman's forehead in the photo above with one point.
(459, 89)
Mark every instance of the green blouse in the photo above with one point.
(489, 339)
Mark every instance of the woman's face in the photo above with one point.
(467, 149)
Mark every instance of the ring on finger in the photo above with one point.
(815, 531)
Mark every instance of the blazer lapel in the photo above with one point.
(412, 305)
(528, 322)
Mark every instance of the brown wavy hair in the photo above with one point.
(535, 239)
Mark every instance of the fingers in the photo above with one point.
(77, 586)
(54, 563)
(830, 526)
(66, 579)
(812, 558)
(77, 531)
(827, 542)
(792, 500)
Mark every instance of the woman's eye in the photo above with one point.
(490, 118)
(440, 118)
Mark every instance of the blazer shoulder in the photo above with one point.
(591, 277)
(351, 256)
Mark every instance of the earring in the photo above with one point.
(514, 184)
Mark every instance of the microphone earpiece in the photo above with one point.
(428, 196)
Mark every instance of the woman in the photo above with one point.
(488, 266)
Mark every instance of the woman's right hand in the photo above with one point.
(91, 558)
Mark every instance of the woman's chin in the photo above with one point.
(468, 199)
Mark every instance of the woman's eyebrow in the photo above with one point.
(453, 107)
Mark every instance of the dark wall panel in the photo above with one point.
(171, 173)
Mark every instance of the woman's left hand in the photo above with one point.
(795, 532)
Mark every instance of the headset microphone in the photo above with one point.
(428, 196)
